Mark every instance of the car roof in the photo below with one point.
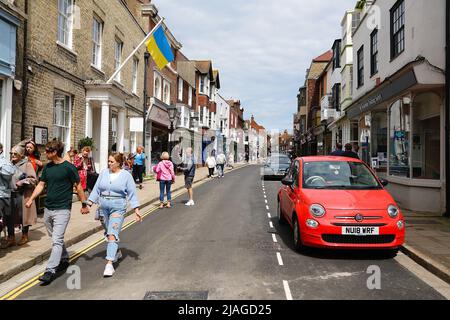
(328, 158)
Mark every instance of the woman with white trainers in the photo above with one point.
(114, 186)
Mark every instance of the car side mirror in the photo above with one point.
(287, 181)
(384, 182)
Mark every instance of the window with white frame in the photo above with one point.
(166, 92)
(190, 96)
(61, 118)
(158, 87)
(118, 45)
(180, 89)
(135, 75)
(97, 30)
(65, 22)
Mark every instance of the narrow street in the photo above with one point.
(227, 247)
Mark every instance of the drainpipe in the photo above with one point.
(447, 110)
(25, 73)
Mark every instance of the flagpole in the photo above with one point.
(135, 50)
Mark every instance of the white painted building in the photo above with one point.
(223, 120)
(398, 98)
(343, 130)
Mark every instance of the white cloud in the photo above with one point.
(261, 47)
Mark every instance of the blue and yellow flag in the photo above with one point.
(159, 48)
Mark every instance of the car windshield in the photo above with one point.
(339, 175)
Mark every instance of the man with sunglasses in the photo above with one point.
(59, 176)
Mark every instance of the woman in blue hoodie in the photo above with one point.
(114, 186)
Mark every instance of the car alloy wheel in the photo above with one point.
(298, 245)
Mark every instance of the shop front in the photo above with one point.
(158, 125)
(401, 130)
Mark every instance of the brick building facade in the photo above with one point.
(68, 66)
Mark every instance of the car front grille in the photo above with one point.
(349, 239)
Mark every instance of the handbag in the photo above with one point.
(92, 177)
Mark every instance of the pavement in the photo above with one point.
(428, 242)
(17, 259)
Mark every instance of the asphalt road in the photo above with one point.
(224, 248)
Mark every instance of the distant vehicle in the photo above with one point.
(338, 202)
(276, 166)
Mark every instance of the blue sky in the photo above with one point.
(262, 48)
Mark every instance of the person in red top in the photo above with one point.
(83, 163)
(34, 156)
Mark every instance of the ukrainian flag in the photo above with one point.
(159, 48)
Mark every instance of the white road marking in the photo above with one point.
(271, 224)
(274, 238)
(265, 201)
(267, 207)
(287, 290)
(280, 260)
(268, 215)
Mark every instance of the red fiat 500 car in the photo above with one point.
(337, 202)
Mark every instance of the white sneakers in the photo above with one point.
(109, 270)
(190, 203)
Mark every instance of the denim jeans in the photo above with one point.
(165, 185)
(113, 211)
(220, 168)
(56, 222)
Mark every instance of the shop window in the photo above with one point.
(399, 138)
(426, 146)
(379, 140)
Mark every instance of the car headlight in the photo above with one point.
(317, 210)
(393, 211)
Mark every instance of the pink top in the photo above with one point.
(164, 171)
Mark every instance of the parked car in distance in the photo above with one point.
(276, 167)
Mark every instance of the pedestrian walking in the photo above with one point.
(338, 152)
(165, 174)
(23, 182)
(189, 174)
(349, 153)
(59, 177)
(7, 170)
(114, 186)
(221, 162)
(211, 163)
(138, 166)
(34, 156)
(85, 166)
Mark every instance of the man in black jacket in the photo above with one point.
(349, 153)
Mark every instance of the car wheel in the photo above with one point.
(281, 218)
(298, 244)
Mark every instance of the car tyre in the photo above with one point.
(281, 218)
(298, 244)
